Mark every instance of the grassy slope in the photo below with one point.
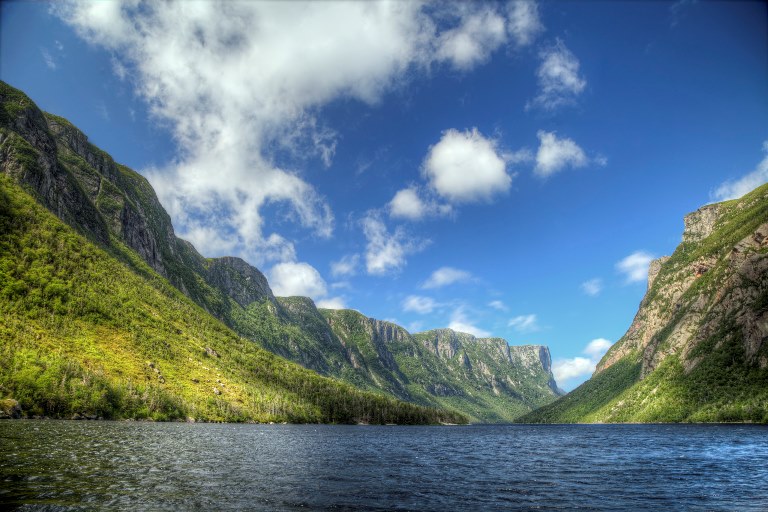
(723, 387)
(80, 332)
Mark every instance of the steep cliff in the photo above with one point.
(696, 350)
(483, 377)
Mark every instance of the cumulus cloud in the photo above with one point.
(593, 287)
(566, 369)
(596, 348)
(419, 304)
(635, 266)
(555, 154)
(745, 184)
(558, 76)
(498, 305)
(235, 80)
(346, 266)
(332, 303)
(578, 367)
(524, 323)
(386, 252)
(460, 323)
(291, 279)
(466, 167)
(473, 41)
(445, 276)
(409, 204)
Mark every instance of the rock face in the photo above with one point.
(697, 350)
(118, 209)
(483, 377)
(239, 280)
(87, 189)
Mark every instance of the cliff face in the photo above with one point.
(87, 189)
(484, 377)
(696, 350)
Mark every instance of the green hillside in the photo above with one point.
(82, 334)
(117, 210)
(697, 350)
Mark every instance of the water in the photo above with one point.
(59, 465)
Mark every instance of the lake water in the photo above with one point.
(60, 465)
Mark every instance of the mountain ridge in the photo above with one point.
(113, 205)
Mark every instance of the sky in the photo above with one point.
(503, 169)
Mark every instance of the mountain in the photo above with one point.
(118, 212)
(483, 378)
(697, 350)
(90, 323)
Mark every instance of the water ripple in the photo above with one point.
(145, 466)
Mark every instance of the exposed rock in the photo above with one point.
(699, 224)
(654, 268)
(239, 280)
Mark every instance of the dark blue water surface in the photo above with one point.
(55, 465)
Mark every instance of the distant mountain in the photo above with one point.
(118, 212)
(697, 350)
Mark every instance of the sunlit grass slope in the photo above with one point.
(82, 333)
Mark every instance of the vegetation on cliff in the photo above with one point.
(696, 351)
(85, 335)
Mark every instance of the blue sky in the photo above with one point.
(506, 169)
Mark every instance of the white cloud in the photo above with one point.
(48, 59)
(290, 279)
(332, 303)
(596, 348)
(473, 41)
(524, 22)
(745, 184)
(460, 323)
(635, 266)
(524, 323)
(574, 368)
(346, 266)
(234, 80)
(385, 252)
(565, 369)
(408, 203)
(555, 154)
(466, 167)
(419, 304)
(498, 305)
(593, 287)
(558, 77)
(296, 279)
(445, 276)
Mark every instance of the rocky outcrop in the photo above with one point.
(699, 224)
(693, 294)
(697, 349)
(28, 154)
(239, 280)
